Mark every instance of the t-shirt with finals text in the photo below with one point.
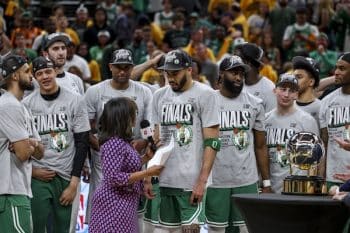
(183, 115)
(279, 128)
(335, 116)
(57, 121)
(235, 163)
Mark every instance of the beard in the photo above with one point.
(25, 86)
(181, 84)
(231, 87)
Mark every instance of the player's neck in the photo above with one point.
(188, 85)
(346, 89)
(285, 110)
(119, 86)
(252, 78)
(306, 97)
(16, 91)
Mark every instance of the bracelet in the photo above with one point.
(266, 183)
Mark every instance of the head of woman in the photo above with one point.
(118, 118)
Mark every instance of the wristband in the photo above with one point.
(214, 143)
(266, 183)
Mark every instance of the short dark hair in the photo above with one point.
(117, 119)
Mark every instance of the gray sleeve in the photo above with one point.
(155, 111)
(259, 123)
(80, 117)
(12, 123)
(322, 115)
(209, 109)
(90, 101)
(148, 104)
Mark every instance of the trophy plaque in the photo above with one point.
(305, 151)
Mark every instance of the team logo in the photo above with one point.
(281, 156)
(240, 139)
(183, 134)
(58, 141)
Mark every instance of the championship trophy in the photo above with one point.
(305, 151)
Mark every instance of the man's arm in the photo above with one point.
(322, 166)
(92, 138)
(23, 149)
(139, 69)
(207, 164)
(262, 158)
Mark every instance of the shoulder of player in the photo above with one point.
(331, 96)
(31, 96)
(140, 87)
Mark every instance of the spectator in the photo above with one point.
(300, 36)
(96, 52)
(100, 23)
(138, 47)
(221, 44)
(27, 28)
(178, 36)
(325, 57)
(74, 59)
(82, 21)
(94, 67)
(164, 18)
(20, 47)
(63, 26)
(279, 18)
(110, 7)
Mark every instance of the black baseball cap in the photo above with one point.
(251, 52)
(11, 63)
(176, 60)
(308, 64)
(287, 78)
(55, 37)
(122, 56)
(231, 62)
(41, 63)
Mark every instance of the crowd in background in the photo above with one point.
(207, 30)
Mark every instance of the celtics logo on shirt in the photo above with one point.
(180, 116)
(53, 129)
(281, 156)
(240, 138)
(183, 134)
(58, 141)
(237, 122)
(276, 139)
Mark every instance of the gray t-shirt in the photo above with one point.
(97, 95)
(57, 121)
(183, 115)
(312, 108)
(16, 124)
(279, 128)
(335, 116)
(71, 82)
(235, 163)
(263, 90)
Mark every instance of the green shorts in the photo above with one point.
(152, 206)
(175, 209)
(220, 210)
(15, 214)
(45, 201)
(142, 205)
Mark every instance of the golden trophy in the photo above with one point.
(305, 151)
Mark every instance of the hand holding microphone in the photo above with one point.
(147, 134)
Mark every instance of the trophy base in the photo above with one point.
(304, 185)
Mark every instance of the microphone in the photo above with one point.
(147, 133)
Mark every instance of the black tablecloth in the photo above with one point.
(275, 213)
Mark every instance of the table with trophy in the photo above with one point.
(303, 206)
